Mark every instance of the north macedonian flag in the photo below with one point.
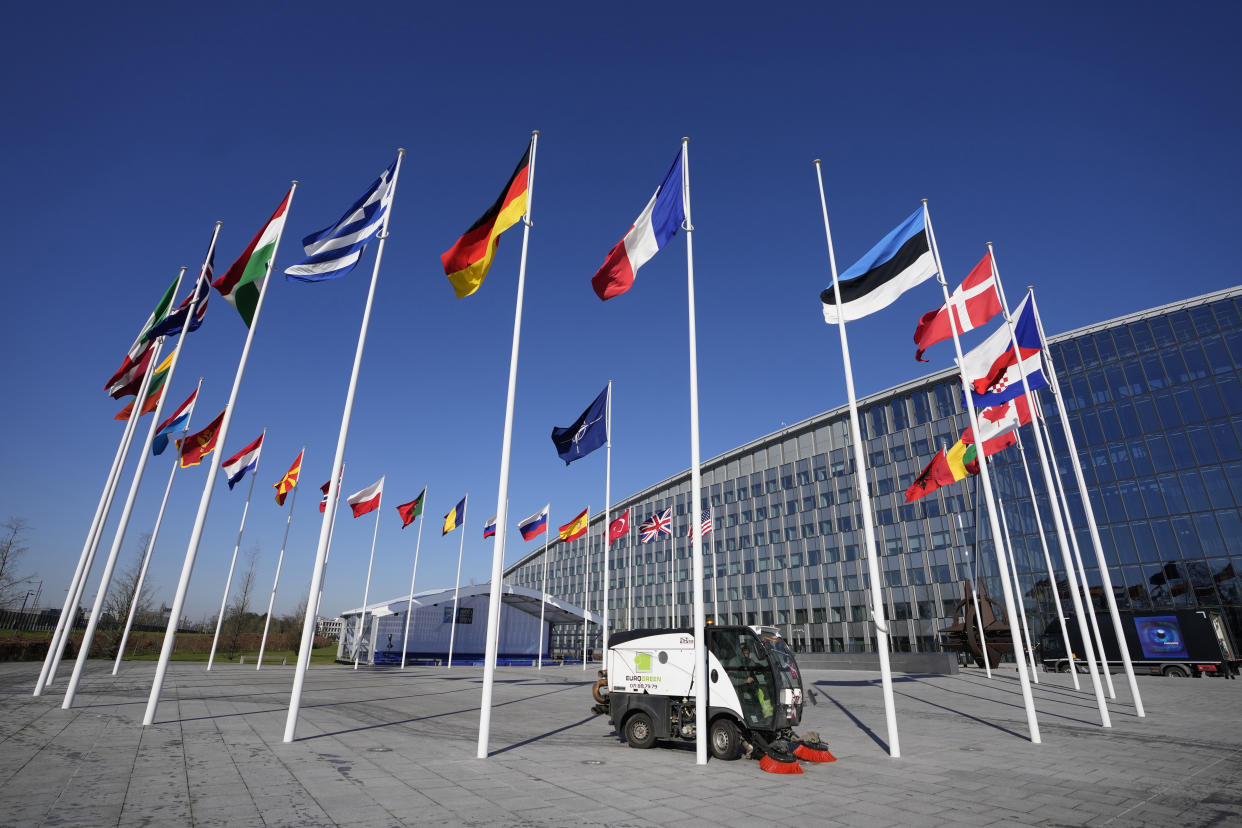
(286, 483)
(466, 263)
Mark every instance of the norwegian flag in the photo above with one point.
(661, 524)
(705, 524)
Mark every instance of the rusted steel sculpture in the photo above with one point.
(963, 635)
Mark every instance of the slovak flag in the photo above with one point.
(535, 525)
(620, 526)
(489, 531)
(654, 227)
(367, 500)
(992, 369)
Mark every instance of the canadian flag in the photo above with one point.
(998, 422)
(974, 302)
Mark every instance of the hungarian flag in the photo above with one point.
(286, 483)
(367, 500)
(974, 303)
(245, 460)
(154, 391)
(994, 370)
(466, 263)
(128, 378)
(620, 527)
(577, 527)
(410, 511)
(241, 283)
(194, 448)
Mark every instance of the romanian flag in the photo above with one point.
(154, 391)
(200, 444)
(577, 527)
(454, 518)
(286, 483)
(466, 263)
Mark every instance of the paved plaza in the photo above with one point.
(381, 747)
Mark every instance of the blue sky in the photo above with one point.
(1095, 146)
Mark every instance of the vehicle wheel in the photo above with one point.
(1176, 671)
(639, 732)
(1063, 667)
(723, 739)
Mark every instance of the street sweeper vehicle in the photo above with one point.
(754, 692)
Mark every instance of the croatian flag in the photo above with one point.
(655, 225)
(489, 531)
(245, 460)
(995, 372)
(535, 525)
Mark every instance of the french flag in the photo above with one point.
(534, 525)
(653, 228)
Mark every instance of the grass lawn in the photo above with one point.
(320, 655)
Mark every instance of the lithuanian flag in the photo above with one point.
(153, 393)
(466, 263)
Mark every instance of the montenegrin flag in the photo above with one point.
(466, 263)
(289, 481)
(577, 527)
(248, 458)
(194, 448)
(367, 500)
(898, 262)
(241, 283)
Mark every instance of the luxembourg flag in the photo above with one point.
(245, 460)
(178, 419)
(653, 228)
(535, 525)
(367, 500)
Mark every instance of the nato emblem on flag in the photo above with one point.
(588, 432)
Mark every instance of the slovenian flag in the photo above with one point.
(490, 529)
(654, 227)
(179, 419)
(245, 460)
(535, 525)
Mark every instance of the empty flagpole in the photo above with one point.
(328, 554)
(586, 594)
(864, 495)
(228, 582)
(1048, 472)
(409, 604)
(1017, 587)
(974, 596)
(502, 495)
(607, 504)
(461, 545)
(366, 591)
(271, 599)
(543, 598)
(334, 486)
(1106, 580)
(155, 533)
(986, 482)
(633, 573)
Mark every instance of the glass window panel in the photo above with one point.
(1123, 342)
(1231, 392)
(1192, 485)
(1090, 358)
(1141, 334)
(1165, 544)
(1141, 462)
(1231, 528)
(1209, 534)
(1188, 404)
(1160, 329)
(1158, 449)
(1124, 543)
(1225, 439)
(1174, 499)
(1233, 341)
(1114, 511)
(1151, 494)
(1200, 442)
(1217, 353)
(1104, 343)
(1130, 499)
(1145, 407)
(1167, 408)
(1153, 370)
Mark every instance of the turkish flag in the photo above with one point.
(619, 527)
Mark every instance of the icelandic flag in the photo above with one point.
(588, 432)
(655, 225)
(535, 525)
(489, 531)
(245, 460)
(334, 251)
(995, 372)
(179, 419)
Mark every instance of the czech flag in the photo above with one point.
(535, 525)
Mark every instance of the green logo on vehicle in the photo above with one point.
(642, 662)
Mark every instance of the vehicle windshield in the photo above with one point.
(787, 667)
(749, 671)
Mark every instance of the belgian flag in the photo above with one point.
(466, 263)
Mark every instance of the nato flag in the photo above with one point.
(589, 432)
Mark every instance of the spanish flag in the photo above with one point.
(286, 483)
(200, 444)
(454, 518)
(577, 527)
(466, 262)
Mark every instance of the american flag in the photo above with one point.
(661, 524)
(705, 523)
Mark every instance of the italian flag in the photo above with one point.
(241, 283)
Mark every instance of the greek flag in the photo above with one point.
(332, 252)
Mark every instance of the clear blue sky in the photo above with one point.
(1096, 145)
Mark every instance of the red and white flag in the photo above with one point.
(998, 422)
(620, 526)
(974, 302)
(367, 500)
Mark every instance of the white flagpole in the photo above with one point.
(271, 599)
(698, 527)
(328, 553)
(543, 598)
(696, 480)
(73, 598)
(502, 494)
(461, 545)
(409, 605)
(1017, 587)
(607, 509)
(586, 594)
(119, 537)
(200, 519)
(993, 512)
(228, 582)
(974, 596)
(1105, 579)
(1052, 578)
(864, 495)
(366, 591)
(155, 533)
(334, 491)
(633, 573)
(1058, 524)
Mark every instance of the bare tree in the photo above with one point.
(238, 614)
(13, 547)
(123, 595)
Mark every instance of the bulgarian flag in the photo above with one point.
(241, 283)
(154, 392)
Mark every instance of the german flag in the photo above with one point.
(466, 263)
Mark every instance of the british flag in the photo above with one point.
(659, 524)
(705, 523)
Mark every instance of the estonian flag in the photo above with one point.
(901, 260)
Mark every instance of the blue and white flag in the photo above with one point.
(332, 252)
(898, 262)
(588, 432)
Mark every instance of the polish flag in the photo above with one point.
(367, 500)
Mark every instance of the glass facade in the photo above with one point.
(1155, 403)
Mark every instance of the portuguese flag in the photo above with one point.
(241, 283)
(410, 511)
(466, 263)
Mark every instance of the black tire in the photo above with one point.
(723, 739)
(639, 731)
(1063, 667)
(1175, 671)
